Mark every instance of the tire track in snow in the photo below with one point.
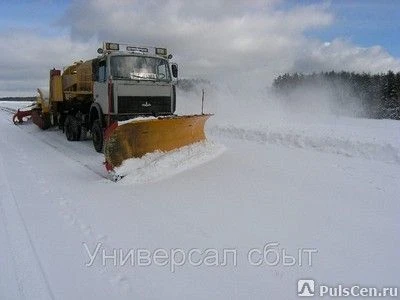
(8, 254)
(68, 211)
(115, 277)
(62, 148)
(69, 155)
(8, 109)
(24, 250)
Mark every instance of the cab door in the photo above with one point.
(100, 86)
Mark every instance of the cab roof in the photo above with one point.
(123, 49)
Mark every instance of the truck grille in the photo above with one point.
(144, 105)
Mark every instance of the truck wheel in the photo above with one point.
(97, 135)
(72, 128)
(83, 133)
(61, 121)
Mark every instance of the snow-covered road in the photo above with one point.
(56, 207)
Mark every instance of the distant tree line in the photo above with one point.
(377, 94)
(17, 98)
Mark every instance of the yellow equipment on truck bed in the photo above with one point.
(126, 99)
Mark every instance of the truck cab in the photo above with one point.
(133, 81)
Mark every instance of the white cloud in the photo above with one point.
(341, 54)
(210, 38)
(27, 58)
(215, 39)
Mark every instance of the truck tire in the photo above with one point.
(84, 132)
(72, 128)
(97, 136)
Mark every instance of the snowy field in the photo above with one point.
(326, 192)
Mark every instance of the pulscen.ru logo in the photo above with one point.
(309, 288)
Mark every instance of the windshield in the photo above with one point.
(140, 68)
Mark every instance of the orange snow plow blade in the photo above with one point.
(136, 138)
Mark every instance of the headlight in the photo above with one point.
(112, 46)
(161, 51)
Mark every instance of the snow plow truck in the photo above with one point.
(125, 98)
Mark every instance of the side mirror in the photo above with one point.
(174, 68)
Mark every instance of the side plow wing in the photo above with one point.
(136, 138)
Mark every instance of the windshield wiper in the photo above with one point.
(133, 77)
(140, 77)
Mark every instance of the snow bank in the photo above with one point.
(136, 119)
(370, 139)
(160, 165)
(14, 105)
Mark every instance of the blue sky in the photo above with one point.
(258, 39)
(37, 15)
(365, 22)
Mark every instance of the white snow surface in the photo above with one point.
(329, 185)
(159, 165)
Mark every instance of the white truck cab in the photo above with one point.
(134, 81)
